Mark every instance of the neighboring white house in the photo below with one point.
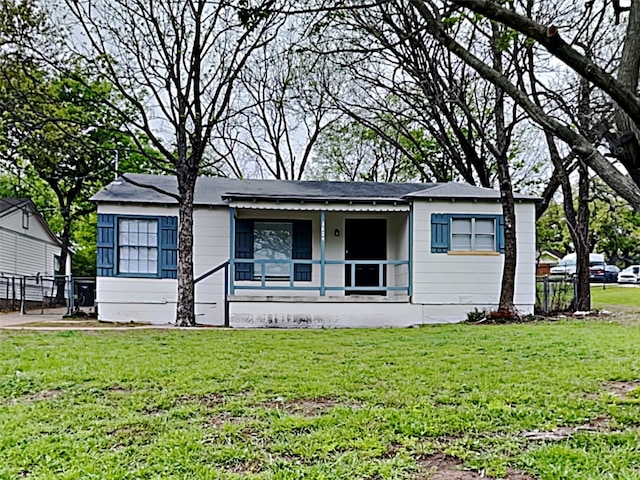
(310, 254)
(28, 247)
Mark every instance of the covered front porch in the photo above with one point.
(324, 253)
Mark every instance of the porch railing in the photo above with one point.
(262, 280)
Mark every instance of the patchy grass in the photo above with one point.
(528, 401)
(615, 296)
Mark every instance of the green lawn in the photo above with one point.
(322, 404)
(614, 295)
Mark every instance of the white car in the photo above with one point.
(630, 274)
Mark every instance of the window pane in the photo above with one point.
(485, 243)
(273, 241)
(461, 225)
(461, 242)
(485, 225)
(138, 241)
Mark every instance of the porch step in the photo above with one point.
(320, 299)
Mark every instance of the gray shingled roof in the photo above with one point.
(9, 203)
(217, 191)
(462, 190)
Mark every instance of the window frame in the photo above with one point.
(117, 246)
(473, 234)
(257, 275)
(301, 249)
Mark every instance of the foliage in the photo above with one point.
(330, 404)
(614, 229)
(349, 150)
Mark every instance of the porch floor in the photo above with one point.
(320, 299)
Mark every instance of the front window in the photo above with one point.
(273, 241)
(138, 246)
(473, 234)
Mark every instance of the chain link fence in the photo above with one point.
(555, 295)
(37, 293)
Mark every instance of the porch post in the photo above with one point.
(232, 250)
(410, 269)
(323, 231)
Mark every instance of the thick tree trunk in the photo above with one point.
(581, 240)
(627, 147)
(185, 314)
(507, 290)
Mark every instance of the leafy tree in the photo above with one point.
(185, 57)
(61, 142)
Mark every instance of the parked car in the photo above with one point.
(567, 266)
(611, 273)
(630, 274)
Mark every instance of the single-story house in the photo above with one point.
(28, 247)
(310, 253)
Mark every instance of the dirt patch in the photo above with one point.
(443, 467)
(596, 425)
(119, 389)
(220, 419)
(621, 389)
(307, 407)
(37, 397)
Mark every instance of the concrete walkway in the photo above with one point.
(12, 319)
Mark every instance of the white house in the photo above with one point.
(28, 247)
(310, 254)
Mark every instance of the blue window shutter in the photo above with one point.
(301, 249)
(168, 247)
(500, 233)
(106, 245)
(440, 232)
(244, 249)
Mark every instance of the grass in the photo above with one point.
(615, 295)
(321, 404)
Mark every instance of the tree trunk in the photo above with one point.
(507, 290)
(627, 146)
(581, 239)
(60, 274)
(185, 314)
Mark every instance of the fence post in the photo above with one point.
(13, 296)
(545, 294)
(23, 287)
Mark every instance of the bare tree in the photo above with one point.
(186, 57)
(284, 104)
(470, 119)
(622, 90)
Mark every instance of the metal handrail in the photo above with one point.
(224, 265)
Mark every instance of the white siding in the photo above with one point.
(23, 251)
(471, 280)
(445, 287)
(154, 300)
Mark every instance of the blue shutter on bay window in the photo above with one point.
(244, 249)
(301, 249)
(168, 247)
(500, 233)
(106, 245)
(440, 232)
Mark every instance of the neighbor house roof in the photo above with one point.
(10, 203)
(218, 191)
